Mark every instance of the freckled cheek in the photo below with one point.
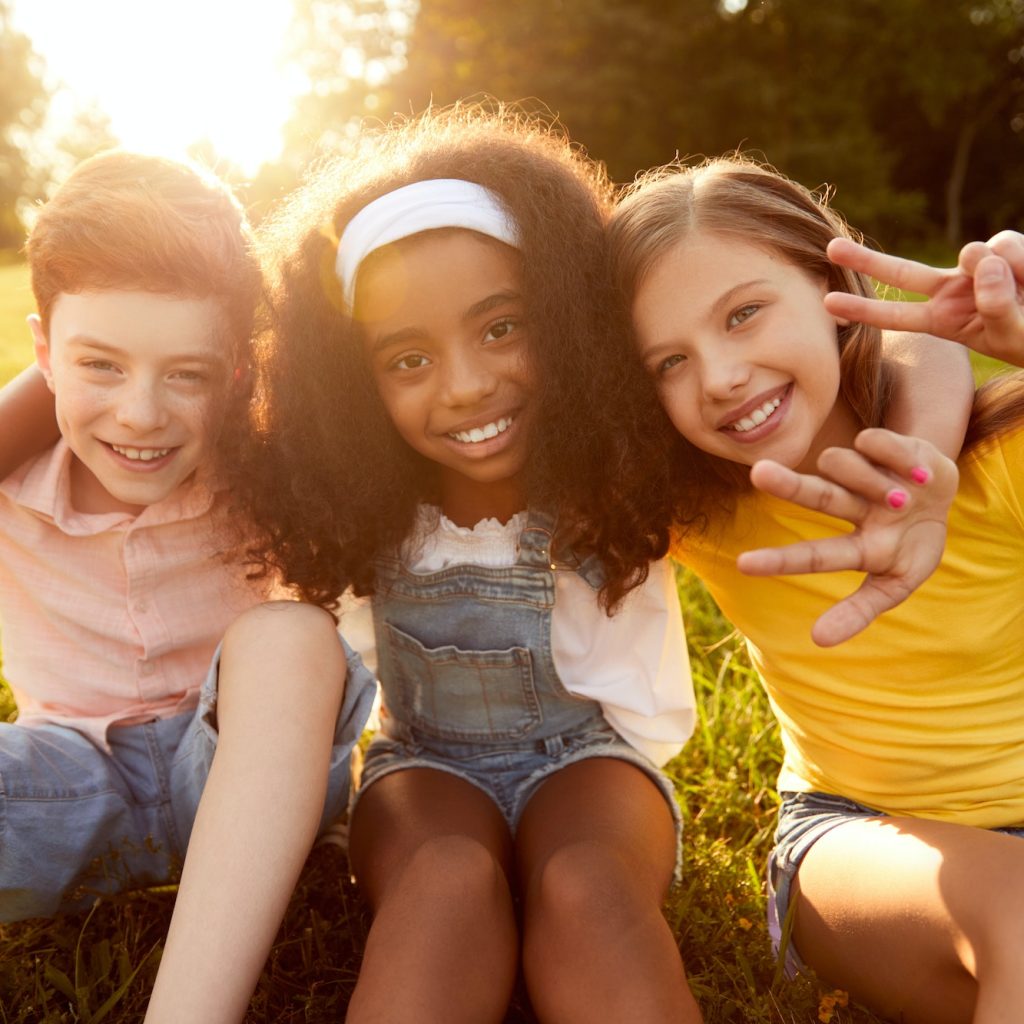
(77, 408)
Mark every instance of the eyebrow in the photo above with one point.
(88, 341)
(405, 334)
(723, 300)
(727, 296)
(486, 305)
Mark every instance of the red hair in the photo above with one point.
(145, 223)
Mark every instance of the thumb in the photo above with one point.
(995, 294)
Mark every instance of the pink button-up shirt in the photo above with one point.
(109, 618)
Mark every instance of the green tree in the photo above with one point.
(640, 82)
(952, 107)
(913, 110)
(23, 101)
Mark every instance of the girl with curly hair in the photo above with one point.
(897, 862)
(443, 431)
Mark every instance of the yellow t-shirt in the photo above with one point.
(923, 713)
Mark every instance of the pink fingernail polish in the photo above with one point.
(920, 475)
(896, 498)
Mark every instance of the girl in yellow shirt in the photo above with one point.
(903, 780)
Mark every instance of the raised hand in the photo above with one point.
(979, 303)
(896, 491)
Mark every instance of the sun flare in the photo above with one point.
(169, 76)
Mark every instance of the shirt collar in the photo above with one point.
(43, 486)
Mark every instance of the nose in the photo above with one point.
(140, 407)
(722, 373)
(468, 379)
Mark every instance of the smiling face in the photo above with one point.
(444, 331)
(744, 354)
(137, 379)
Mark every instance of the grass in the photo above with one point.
(16, 302)
(99, 966)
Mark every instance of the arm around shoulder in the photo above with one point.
(27, 421)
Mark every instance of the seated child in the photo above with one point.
(897, 859)
(135, 730)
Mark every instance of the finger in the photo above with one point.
(807, 490)
(971, 255)
(910, 458)
(995, 292)
(856, 474)
(829, 554)
(856, 612)
(906, 274)
(890, 316)
(1010, 246)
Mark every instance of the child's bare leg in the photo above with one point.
(282, 676)
(432, 853)
(922, 920)
(596, 849)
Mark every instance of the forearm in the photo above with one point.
(27, 421)
(933, 389)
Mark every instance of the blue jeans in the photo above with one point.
(803, 819)
(77, 822)
(510, 774)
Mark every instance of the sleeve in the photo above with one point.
(356, 626)
(634, 663)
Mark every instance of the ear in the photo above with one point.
(42, 347)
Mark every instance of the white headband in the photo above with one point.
(421, 206)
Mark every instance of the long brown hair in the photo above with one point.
(739, 197)
(329, 482)
(998, 409)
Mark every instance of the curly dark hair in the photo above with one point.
(328, 481)
(740, 197)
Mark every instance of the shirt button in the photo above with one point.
(146, 668)
(141, 607)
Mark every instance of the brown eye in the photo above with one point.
(413, 361)
(501, 330)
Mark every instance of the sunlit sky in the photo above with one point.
(173, 72)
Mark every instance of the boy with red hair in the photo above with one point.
(149, 672)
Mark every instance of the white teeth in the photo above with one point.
(757, 417)
(141, 454)
(484, 433)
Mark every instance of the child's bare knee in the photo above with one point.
(292, 631)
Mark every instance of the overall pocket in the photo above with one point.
(473, 696)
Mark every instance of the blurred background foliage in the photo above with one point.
(913, 110)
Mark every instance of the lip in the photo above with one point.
(138, 465)
(761, 431)
(490, 446)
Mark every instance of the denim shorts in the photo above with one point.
(803, 819)
(77, 821)
(510, 774)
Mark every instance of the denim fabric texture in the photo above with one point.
(469, 683)
(77, 822)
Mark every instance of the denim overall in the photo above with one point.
(470, 687)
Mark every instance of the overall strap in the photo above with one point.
(535, 550)
(535, 541)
